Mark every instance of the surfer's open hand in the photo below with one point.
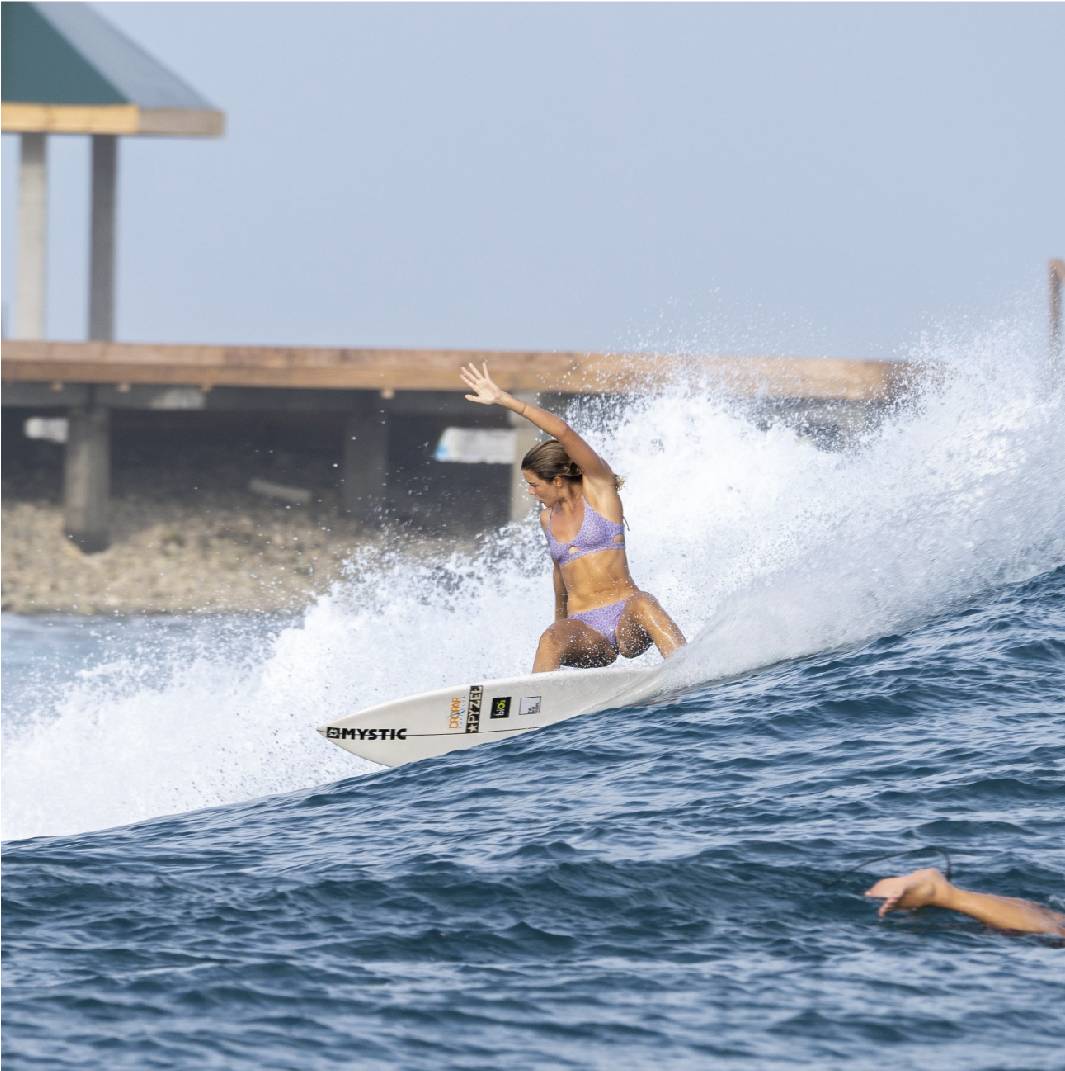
(485, 392)
(921, 888)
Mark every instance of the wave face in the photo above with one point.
(877, 665)
(667, 885)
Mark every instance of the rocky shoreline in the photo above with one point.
(221, 552)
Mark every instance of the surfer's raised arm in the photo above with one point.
(487, 392)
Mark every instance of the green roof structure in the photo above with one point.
(66, 70)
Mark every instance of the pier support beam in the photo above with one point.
(87, 477)
(525, 438)
(87, 466)
(102, 239)
(364, 460)
(32, 237)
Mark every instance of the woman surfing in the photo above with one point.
(599, 611)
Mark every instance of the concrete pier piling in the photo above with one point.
(102, 237)
(32, 236)
(525, 437)
(87, 477)
(364, 460)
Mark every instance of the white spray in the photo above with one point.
(761, 545)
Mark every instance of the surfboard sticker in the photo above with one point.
(455, 718)
(422, 726)
(473, 713)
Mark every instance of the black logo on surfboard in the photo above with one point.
(335, 732)
(473, 712)
(501, 707)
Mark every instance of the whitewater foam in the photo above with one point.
(762, 546)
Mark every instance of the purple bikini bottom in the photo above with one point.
(604, 619)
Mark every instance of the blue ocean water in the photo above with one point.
(194, 878)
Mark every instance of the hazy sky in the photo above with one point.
(807, 179)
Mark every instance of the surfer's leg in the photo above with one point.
(643, 622)
(572, 643)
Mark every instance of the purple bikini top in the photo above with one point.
(597, 533)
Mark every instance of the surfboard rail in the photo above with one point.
(461, 716)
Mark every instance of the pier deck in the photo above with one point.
(436, 370)
(369, 389)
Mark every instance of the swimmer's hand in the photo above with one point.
(485, 392)
(921, 888)
(928, 888)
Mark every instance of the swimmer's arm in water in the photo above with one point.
(486, 392)
(929, 888)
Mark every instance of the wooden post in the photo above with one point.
(87, 477)
(87, 474)
(364, 459)
(32, 237)
(102, 249)
(525, 438)
(1057, 279)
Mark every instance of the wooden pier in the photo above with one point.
(302, 368)
(86, 381)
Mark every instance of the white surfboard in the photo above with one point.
(434, 723)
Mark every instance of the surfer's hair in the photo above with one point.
(549, 459)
